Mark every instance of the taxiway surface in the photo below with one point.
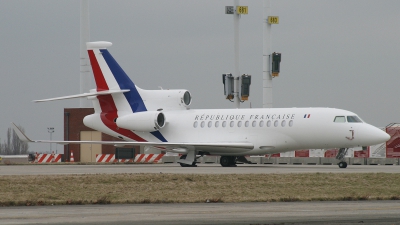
(44, 169)
(365, 212)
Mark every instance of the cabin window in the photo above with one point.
(254, 124)
(276, 123)
(195, 124)
(224, 124)
(239, 123)
(246, 124)
(291, 123)
(269, 123)
(340, 119)
(261, 123)
(202, 124)
(216, 123)
(283, 123)
(353, 119)
(209, 123)
(232, 123)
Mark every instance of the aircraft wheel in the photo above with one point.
(232, 161)
(225, 161)
(342, 165)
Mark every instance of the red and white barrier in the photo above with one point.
(105, 158)
(149, 158)
(48, 158)
(140, 158)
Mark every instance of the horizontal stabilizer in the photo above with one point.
(84, 95)
(167, 145)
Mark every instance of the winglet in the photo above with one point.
(20, 134)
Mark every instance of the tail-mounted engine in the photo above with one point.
(147, 121)
(166, 99)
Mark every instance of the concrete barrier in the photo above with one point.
(375, 161)
(304, 161)
(382, 161)
(169, 159)
(208, 159)
(358, 161)
(392, 161)
(283, 160)
(255, 159)
(267, 160)
(297, 161)
(329, 161)
(14, 159)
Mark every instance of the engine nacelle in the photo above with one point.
(142, 121)
(166, 99)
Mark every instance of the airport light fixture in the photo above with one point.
(271, 61)
(236, 10)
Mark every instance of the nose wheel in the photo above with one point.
(342, 164)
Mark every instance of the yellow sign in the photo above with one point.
(242, 9)
(273, 19)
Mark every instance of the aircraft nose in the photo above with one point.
(380, 136)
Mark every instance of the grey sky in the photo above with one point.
(341, 54)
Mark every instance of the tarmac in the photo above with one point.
(49, 169)
(350, 212)
(362, 212)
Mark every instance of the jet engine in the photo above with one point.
(166, 99)
(147, 121)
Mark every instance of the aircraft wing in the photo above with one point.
(240, 146)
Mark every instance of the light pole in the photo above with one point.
(51, 131)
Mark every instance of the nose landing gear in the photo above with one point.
(340, 156)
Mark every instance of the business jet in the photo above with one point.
(162, 119)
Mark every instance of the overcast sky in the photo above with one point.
(340, 54)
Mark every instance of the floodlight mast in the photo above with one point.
(85, 71)
(236, 18)
(267, 77)
(271, 61)
(236, 94)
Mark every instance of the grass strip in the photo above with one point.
(191, 188)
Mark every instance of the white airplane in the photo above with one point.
(162, 119)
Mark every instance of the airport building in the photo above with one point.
(75, 130)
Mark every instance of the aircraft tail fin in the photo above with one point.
(109, 76)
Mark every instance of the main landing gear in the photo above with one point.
(228, 161)
(340, 156)
(187, 165)
(225, 161)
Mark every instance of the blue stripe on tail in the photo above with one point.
(124, 82)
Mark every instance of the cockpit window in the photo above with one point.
(340, 119)
(353, 119)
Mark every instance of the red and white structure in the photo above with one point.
(140, 158)
(48, 158)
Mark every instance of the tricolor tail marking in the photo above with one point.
(110, 76)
